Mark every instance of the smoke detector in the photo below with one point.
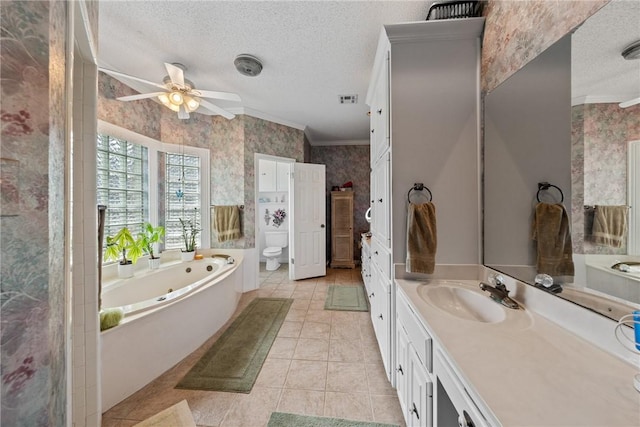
(248, 65)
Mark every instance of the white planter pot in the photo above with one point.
(125, 271)
(154, 263)
(188, 256)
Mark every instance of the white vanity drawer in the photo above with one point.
(382, 258)
(418, 336)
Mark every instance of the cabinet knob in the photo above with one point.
(372, 295)
(372, 130)
(400, 369)
(380, 317)
(321, 225)
(380, 200)
(376, 252)
(380, 111)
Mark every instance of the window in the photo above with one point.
(140, 179)
(182, 199)
(122, 183)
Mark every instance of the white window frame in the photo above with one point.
(154, 147)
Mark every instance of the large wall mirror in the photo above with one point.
(559, 121)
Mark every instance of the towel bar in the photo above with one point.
(418, 186)
(545, 186)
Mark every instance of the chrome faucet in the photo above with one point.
(499, 292)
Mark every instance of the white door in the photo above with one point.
(308, 238)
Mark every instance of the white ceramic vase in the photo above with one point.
(188, 256)
(154, 263)
(125, 271)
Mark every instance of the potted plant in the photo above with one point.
(190, 231)
(124, 248)
(149, 237)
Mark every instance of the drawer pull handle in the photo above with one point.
(415, 410)
(400, 369)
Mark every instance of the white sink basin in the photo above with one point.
(463, 303)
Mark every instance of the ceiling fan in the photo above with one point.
(179, 94)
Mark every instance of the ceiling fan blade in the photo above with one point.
(175, 73)
(215, 109)
(216, 95)
(183, 114)
(127, 76)
(139, 96)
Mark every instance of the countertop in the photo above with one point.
(529, 371)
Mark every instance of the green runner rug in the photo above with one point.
(235, 359)
(346, 298)
(281, 419)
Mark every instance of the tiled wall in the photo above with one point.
(600, 137)
(32, 220)
(346, 163)
(232, 144)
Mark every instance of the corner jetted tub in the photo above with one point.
(169, 313)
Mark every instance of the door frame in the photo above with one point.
(256, 219)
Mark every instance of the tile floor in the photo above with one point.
(324, 363)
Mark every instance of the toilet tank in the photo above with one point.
(277, 238)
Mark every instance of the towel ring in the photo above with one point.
(545, 186)
(418, 186)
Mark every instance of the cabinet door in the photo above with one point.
(381, 201)
(283, 171)
(267, 178)
(402, 367)
(420, 403)
(342, 229)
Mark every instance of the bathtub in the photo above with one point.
(169, 313)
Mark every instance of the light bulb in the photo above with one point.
(191, 103)
(176, 98)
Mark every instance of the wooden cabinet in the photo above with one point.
(342, 229)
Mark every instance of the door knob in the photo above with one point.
(321, 225)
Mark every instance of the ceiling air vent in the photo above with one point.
(348, 99)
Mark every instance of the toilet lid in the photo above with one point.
(272, 250)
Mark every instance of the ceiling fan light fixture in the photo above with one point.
(632, 51)
(248, 65)
(176, 98)
(191, 103)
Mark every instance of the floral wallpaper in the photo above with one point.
(32, 216)
(346, 163)
(232, 144)
(517, 31)
(600, 137)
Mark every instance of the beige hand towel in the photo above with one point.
(553, 236)
(421, 238)
(226, 223)
(610, 225)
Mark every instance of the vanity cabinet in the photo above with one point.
(342, 229)
(365, 261)
(424, 100)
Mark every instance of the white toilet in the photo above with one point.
(276, 240)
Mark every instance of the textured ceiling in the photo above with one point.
(312, 52)
(599, 72)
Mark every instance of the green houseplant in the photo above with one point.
(190, 232)
(149, 237)
(124, 248)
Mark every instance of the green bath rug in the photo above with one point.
(234, 361)
(281, 419)
(346, 298)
